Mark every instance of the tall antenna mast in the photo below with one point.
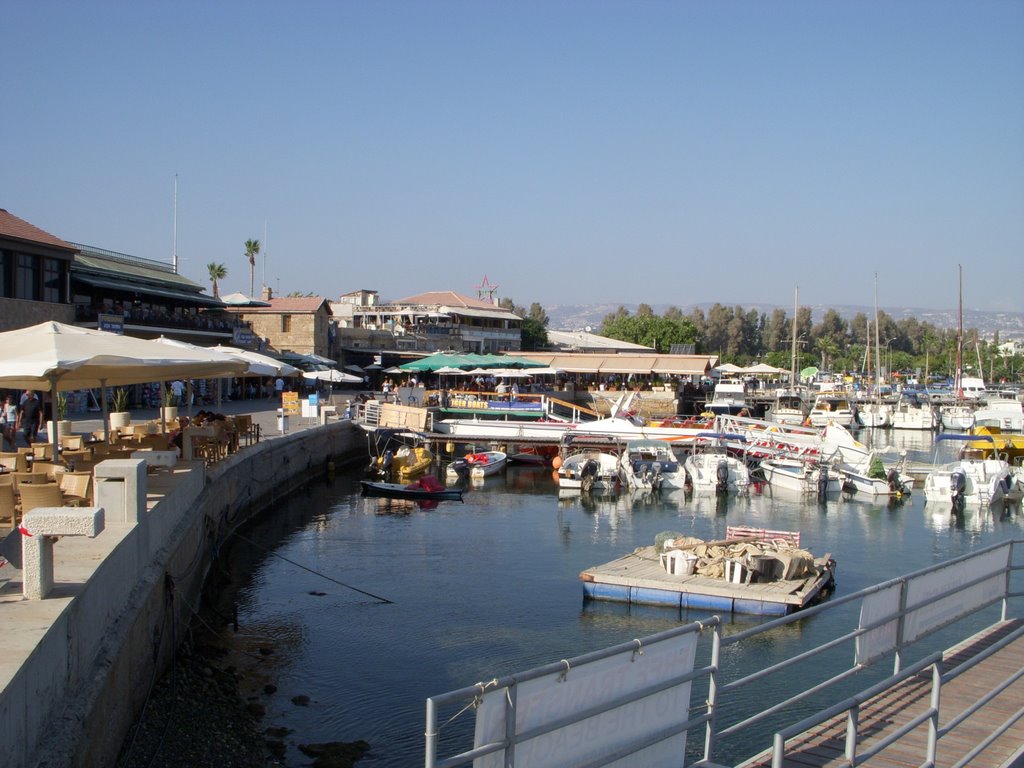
(265, 249)
(174, 243)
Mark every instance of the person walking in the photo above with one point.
(9, 420)
(30, 416)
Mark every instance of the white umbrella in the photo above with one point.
(280, 368)
(450, 371)
(55, 357)
(333, 376)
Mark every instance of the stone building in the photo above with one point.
(291, 324)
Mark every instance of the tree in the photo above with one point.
(217, 272)
(533, 329)
(252, 247)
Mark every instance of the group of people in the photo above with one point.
(25, 416)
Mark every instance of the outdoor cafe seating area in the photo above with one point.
(30, 477)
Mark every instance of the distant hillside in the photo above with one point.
(1009, 324)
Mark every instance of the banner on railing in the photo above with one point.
(933, 599)
(575, 689)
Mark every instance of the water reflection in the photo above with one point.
(491, 586)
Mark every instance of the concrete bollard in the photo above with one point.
(39, 529)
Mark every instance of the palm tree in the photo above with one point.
(217, 272)
(252, 247)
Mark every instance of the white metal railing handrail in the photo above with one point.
(899, 615)
(473, 693)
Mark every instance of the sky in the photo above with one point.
(571, 152)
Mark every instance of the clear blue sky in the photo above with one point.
(574, 152)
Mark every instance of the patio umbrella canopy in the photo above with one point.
(54, 356)
(253, 368)
(333, 376)
(280, 367)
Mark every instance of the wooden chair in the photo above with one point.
(43, 451)
(47, 468)
(33, 496)
(8, 505)
(77, 487)
(245, 429)
(14, 461)
(153, 442)
(72, 442)
(27, 478)
(7, 478)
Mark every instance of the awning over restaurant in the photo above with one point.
(680, 365)
(147, 290)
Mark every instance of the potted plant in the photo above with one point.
(169, 411)
(119, 416)
(60, 410)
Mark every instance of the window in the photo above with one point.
(5, 273)
(26, 279)
(286, 323)
(53, 280)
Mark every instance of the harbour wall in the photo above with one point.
(115, 631)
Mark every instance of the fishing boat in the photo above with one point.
(420, 490)
(477, 465)
(972, 479)
(753, 570)
(789, 407)
(872, 478)
(651, 464)
(711, 468)
(729, 397)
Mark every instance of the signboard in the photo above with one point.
(243, 337)
(110, 323)
(290, 403)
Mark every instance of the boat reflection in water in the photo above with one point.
(491, 587)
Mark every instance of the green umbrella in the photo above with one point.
(809, 372)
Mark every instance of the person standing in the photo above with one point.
(279, 386)
(30, 416)
(9, 420)
(178, 390)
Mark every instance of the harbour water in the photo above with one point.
(490, 586)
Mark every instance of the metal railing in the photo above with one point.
(888, 635)
(903, 638)
(470, 697)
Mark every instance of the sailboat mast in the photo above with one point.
(957, 380)
(878, 352)
(796, 304)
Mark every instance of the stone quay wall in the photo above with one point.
(75, 698)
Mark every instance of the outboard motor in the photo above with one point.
(588, 474)
(958, 489)
(722, 476)
(896, 485)
(461, 466)
(657, 478)
(823, 480)
(382, 466)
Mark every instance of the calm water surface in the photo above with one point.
(490, 587)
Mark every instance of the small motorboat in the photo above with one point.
(972, 479)
(427, 488)
(711, 467)
(650, 464)
(808, 478)
(477, 465)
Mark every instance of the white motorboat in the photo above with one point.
(1001, 413)
(875, 414)
(789, 408)
(872, 478)
(831, 407)
(589, 462)
(477, 465)
(808, 478)
(729, 397)
(651, 464)
(711, 468)
(957, 418)
(909, 414)
(972, 479)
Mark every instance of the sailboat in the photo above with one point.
(958, 417)
(790, 406)
(875, 413)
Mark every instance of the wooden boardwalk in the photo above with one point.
(823, 745)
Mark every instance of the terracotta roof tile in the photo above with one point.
(447, 298)
(19, 229)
